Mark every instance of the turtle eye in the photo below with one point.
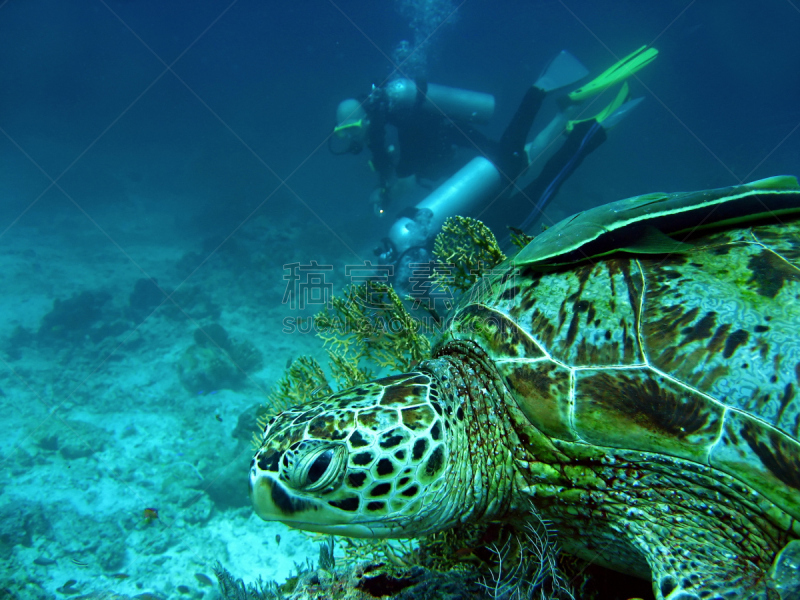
(318, 468)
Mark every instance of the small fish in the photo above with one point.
(150, 515)
(289, 362)
(120, 576)
(203, 579)
(464, 552)
(43, 561)
(318, 389)
(278, 538)
(67, 588)
(218, 418)
(79, 563)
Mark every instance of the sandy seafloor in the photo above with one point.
(98, 427)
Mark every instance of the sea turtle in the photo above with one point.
(636, 391)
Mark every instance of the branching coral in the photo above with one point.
(519, 238)
(466, 249)
(346, 371)
(369, 323)
(235, 589)
(525, 566)
(304, 380)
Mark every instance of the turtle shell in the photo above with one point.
(693, 355)
(643, 224)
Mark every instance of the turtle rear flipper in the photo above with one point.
(786, 571)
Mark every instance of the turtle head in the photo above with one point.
(369, 461)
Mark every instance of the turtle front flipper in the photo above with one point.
(786, 571)
(686, 564)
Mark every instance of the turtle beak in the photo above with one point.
(260, 488)
(260, 493)
(273, 502)
(270, 499)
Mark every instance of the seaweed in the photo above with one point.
(235, 589)
(519, 238)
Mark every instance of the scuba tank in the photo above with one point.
(463, 105)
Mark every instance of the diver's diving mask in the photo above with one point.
(350, 132)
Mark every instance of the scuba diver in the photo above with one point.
(432, 120)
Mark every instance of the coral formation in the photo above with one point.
(144, 299)
(74, 316)
(216, 362)
(464, 251)
(477, 562)
(370, 324)
(207, 369)
(82, 317)
(519, 238)
(303, 381)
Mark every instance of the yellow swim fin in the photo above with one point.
(619, 100)
(622, 69)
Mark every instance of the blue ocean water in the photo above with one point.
(162, 163)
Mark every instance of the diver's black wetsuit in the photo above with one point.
(511, 159)
(585, 137)
(428, 140)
